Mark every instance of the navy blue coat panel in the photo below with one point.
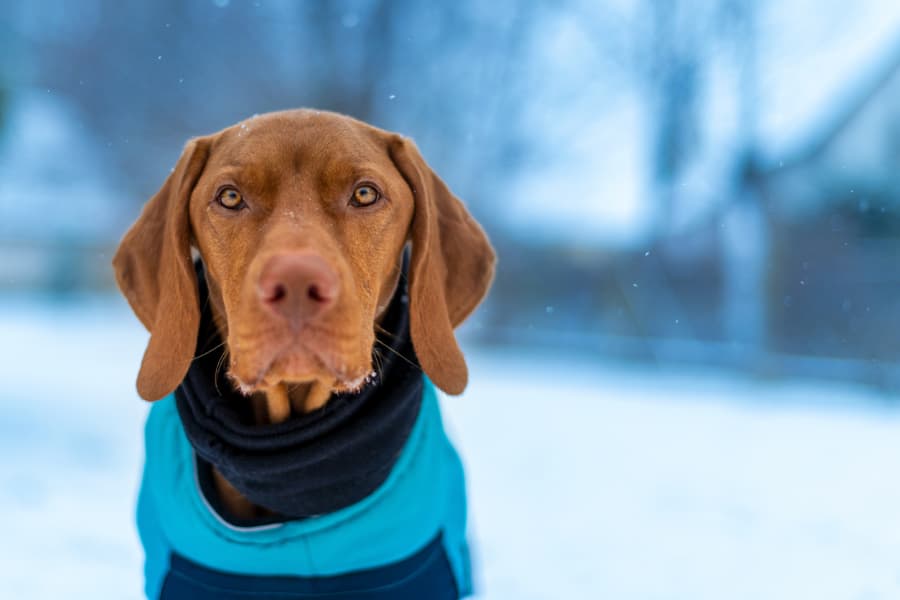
(425, 575)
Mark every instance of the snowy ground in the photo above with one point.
(587, 480)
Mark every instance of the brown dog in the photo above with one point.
(300, 219)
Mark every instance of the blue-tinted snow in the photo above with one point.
(586, 479)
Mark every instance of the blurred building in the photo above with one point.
(834, 211)
(792, 267)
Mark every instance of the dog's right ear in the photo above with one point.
(155, 273)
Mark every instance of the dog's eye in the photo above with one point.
(365, 195)
(230, 198)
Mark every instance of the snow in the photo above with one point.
(601, 481)
(587, 479)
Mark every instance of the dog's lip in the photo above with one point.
(347, 378)
(248, 387)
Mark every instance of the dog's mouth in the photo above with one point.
(296, 363)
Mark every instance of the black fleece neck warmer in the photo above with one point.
(314, 463)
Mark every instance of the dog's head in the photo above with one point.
(300, 218)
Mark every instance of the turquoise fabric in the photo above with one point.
(423, 496)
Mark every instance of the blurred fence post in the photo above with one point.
(746, 241)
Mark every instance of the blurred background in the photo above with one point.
(685, 377)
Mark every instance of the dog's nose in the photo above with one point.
(297, 287)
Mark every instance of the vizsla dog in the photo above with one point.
(301, 274)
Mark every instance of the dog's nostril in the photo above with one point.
(278, 294)
(315, 294)
(273, 293)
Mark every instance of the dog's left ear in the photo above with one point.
(155, 273)
(451, 269)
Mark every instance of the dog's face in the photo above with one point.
(300, 219)
(302, 237)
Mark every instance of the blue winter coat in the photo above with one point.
(404, 541)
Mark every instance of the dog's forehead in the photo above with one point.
(299, 138)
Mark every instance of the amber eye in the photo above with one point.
(365, 195)
(230, 198)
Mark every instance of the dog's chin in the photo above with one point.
(298, 366)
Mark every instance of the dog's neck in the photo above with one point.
(280, 401)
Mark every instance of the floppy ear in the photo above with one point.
(155, 273)
(451, 269)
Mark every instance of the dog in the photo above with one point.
(301, 274)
